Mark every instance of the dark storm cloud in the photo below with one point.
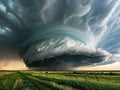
(62, 52)
(65, 61)
(57, 33)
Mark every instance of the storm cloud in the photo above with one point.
(60, 34)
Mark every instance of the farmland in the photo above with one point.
(59, 80)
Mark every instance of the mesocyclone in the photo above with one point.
(61, 34)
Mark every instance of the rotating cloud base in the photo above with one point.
(62, 47)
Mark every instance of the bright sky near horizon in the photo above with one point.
(20, 65)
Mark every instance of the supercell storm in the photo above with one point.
(61, 34)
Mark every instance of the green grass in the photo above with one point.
(59, 80)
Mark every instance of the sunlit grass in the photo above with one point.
(52, 80)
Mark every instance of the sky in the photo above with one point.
(60, 34)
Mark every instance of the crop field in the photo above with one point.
(59, 80)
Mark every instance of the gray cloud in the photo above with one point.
(63, 52)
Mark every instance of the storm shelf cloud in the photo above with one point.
(60, 34)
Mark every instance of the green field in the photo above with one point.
(59, 80)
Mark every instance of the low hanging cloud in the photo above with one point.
(63, 52)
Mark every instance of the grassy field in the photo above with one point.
(59, 80)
